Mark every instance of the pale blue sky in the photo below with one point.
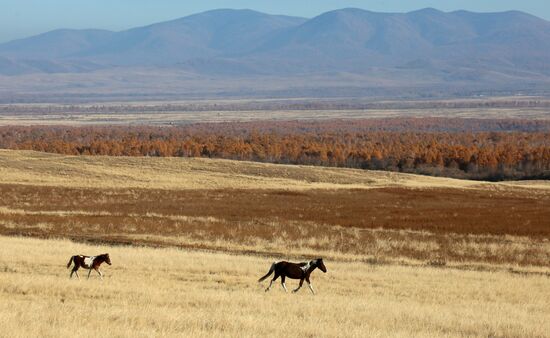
(21, 18)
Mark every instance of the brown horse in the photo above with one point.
(299, 271)
(88, 262)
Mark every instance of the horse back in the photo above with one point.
(290, 270)
(83, 261)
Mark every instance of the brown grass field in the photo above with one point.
(407, 255)
(247, 207)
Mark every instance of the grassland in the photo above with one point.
(167, 112)
(244, 207)
(43, 169)
(171, 292)
(185, 117)
(407, 255)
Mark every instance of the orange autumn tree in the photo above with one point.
(479, 149)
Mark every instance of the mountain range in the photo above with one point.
(448, 46)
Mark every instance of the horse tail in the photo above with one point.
(70, 261)
(268, 273)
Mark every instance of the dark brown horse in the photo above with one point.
(299, 271)
(88, 262)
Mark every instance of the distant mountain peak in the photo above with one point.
(229, 13)
(428, 10)
(351, 40)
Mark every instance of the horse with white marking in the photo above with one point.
(88, 262)
(299, 271)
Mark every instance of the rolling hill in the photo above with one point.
(44, 169)
(237, 206)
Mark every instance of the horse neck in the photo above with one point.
(100, 259)
(312, 266)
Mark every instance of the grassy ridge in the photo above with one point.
(44, 169)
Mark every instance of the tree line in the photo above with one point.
(441, 147)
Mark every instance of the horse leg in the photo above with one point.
(100, 274)
(269, 287)
(299, 286)
(271, 283)
(74, 271)
(309, 285)
(283, 283)
(89, 272)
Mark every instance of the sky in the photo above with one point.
(23, 18)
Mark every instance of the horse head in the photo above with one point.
(107, 258)
(321, 265)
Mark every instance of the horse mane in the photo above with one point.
(103, 256)
(313, 261)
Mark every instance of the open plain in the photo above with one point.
(407, 255)
(168, 112)
(267, 209)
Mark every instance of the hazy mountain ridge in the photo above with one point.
(457, 45)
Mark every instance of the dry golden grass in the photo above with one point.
(278, 210)
(408, 256)
(42, 169)
(168, 292)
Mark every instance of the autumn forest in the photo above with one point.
(462, 148)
